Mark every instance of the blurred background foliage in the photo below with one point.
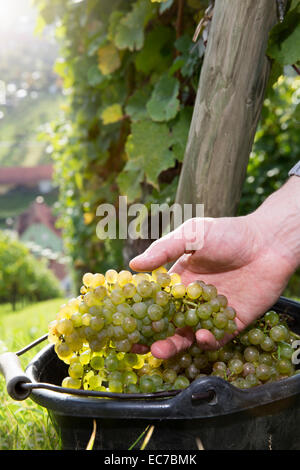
(23, 277)
(130, 71)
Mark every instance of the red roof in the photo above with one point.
(25, 175)
(37, 213)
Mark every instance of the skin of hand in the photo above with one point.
(249, 259)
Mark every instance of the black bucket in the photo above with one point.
(210, 411)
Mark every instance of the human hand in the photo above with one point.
(249, 260)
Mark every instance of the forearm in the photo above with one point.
(278, 220)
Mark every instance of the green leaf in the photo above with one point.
(112, 114)
(129, 33)
(129, 183)
(114, 21)
(136, 106)
(180, 132)
(108, 59)
(190, 57)
(157, 53)
(94, 76)
(148, 149)
(164, 104)
(284, 40)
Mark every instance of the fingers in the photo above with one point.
(164, 349)
(184, 239)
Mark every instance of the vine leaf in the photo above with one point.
(136, 105)
(94, 76)
(112, 114)
(108, 59)
(157, 53)
(129, 33)
(164, 104)
(148, 149)
(284, 40)
(130, 184)
(180, 131)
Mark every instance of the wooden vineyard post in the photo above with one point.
(229, 99)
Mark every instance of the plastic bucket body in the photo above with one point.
(264, 417)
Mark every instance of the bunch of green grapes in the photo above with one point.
(123, 309)
(260, 354)
(94, 334)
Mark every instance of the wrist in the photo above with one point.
(278, 221)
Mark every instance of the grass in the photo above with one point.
(25, 425)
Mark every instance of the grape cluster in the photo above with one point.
(94, 334)
(121, 309)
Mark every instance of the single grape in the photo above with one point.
(98, 280)
(278, 333)
(286, 351)
(70, 382)
(75, 370)
(163, 279)
(215, 304)
(191, 317)
(222, 301)
(184, 360)
(251, 354)
(251, 380)
(263, 372)
(220, 320)
(284, 366)
(178, 291)
(204, 311)
(179, 320)
(175, 279)
(129, 377)
(194, 290)
(129, 324)
(111, 276)
(209, 292)
(169, 375)
(64, 326)
(139, 310)
(87, 279)
(147, 385)
(115, 386)
(265, 358)
(129, 290)
(155, 312)
(231, 327)
(162, 298)
(181, 382)
(235, 366)
(218, 333)
(144, 288)
(97, 362)
(230, 313)
(76, 319)
(255, 336)
(63, 350)
(248, 368)
(207, 324)
(158, 326)
(97, 323)
(267, 344)
(271, 318)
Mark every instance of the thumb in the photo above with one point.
(187, 237)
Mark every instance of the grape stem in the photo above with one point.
(188, 302)
(292, 333)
